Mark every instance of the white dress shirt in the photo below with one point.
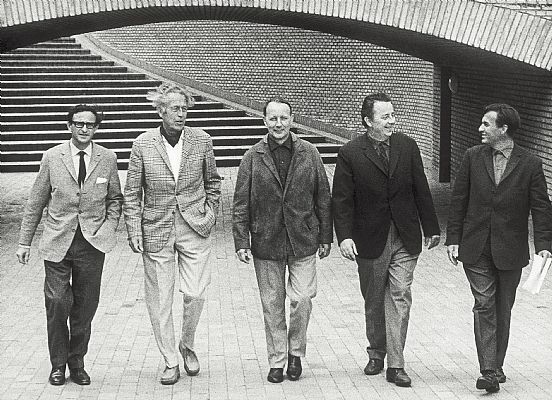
(175, 155)
(76, 158)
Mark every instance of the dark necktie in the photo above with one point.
(383, 155)
(82, 168)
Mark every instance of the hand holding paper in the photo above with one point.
(539, 268)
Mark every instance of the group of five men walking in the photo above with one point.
(282, 217)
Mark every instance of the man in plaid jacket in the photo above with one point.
(172, 194)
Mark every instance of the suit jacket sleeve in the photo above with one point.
(422, 196)
(242, 196)
(540, 209)
(459, 202)
(38, 199)
(323, 202)
(211, 178)
(343, 198)
(133, 193)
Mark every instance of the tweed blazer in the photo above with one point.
(152, 196)
(96, 207)
(266, 208)
(479, 208)
(366, 197)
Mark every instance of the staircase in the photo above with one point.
(41, 82)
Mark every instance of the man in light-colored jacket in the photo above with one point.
(79, 185)
(172, 194)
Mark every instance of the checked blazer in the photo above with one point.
(151, 184)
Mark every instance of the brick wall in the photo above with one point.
(324, 76)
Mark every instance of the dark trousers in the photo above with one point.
(494, 291)
(72, 291)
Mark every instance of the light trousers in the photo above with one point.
(301, 289)
(385, 283)
(191, 253)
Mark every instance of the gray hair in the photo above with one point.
(158, 97)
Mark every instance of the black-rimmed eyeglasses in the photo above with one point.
(89, 125)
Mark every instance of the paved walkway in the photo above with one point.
(124, 362)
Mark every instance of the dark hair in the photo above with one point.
(85, 107)
(505, 115)
(277, 100)
(368, 105)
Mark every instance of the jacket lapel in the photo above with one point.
(488, 160)
(296, 155)
(371, 154)
(268, 160)
(394, 153)
(158, 144)
(513, 161)
(95, 158)
(68, 161)
(187, 145)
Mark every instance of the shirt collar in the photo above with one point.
(505, 147)
(375, 142)
(165, 136)
(272, 145)
(75, 150)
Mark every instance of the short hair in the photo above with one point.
(368, 105)
(277, 100)
(85, 107)
(505, 115)
(158, 97)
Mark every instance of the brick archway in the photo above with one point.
(449, 32)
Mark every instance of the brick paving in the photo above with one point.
(124, 362)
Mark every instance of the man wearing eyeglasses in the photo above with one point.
(172, 194)
(79, 185)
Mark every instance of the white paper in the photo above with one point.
(539, 268)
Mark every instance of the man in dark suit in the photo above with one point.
(282, 200)
(380, 195)
(79, 186)
(496, 187)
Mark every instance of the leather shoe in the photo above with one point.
(170, 375)
(275, 375)
(488, 381)
(398, 376)
(500, 375)
(294, 368)
(191, 363)
(79, 376)
(57, 376)
(373, 367)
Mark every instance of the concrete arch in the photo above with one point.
(447, 32)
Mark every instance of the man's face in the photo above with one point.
(491, 134)
(383, 121)
(278, 120)
(174, 113)
(82, 127)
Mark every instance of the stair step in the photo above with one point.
(50, 51)
(30, 108)
(56, 85)
(39, 56)
(55, 45)
(47, 77)
(72, 91)
(76, 99)
(58, 69)
(53, 63)
(24, 118)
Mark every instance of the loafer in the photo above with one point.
(500, 375)
(57, 376)
(191, 363)
(79, 376)
(374, 366)
(398, 376)
(488, 381)
(275, 375)
(170, 376)
(294, 368)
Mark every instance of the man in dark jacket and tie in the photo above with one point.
(497, 185)
(282, 202)
(380, 196)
